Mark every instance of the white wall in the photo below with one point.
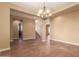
(38, 26)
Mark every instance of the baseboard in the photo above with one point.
(14, 38)
(43, 40)
(1, 50)
(76, 44)
(27, 38)
(11, 40)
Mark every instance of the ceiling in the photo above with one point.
(35, 6)
(20, 15)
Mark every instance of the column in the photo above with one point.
(43, 30)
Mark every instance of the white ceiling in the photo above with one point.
(35, 6)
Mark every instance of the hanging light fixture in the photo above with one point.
(44, 13)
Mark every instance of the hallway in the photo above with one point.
(36, 48)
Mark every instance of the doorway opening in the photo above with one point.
(20, 29)
(17, 29)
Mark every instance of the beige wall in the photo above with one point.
(4, 26)
(65, 27)
(11, 28)
(14, 28)
(15, 32)
(28, 29)
(28, 26)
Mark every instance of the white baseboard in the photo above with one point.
(43, 40)
(11, 40)
(1, 50)
(27, 38)
(14, 38)
(76, 44)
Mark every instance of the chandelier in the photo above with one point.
(44, 13)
